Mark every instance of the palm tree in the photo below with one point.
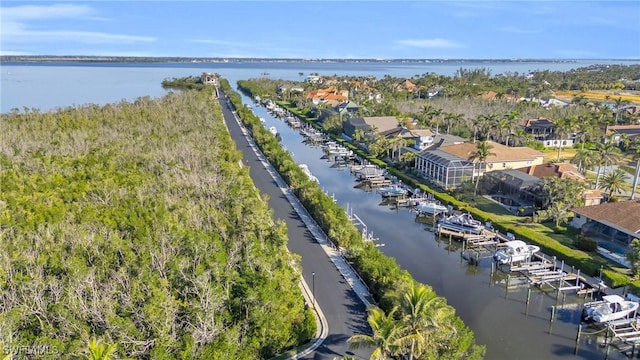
(634, 150)
(98, 351)
(453, 119)
(482, 153)
(615, 181)
(606, 154)
(476, 124)
(585, 159)
(424, 312)
(618, 104)
(489, 122)
(387, 336)
(563, 128)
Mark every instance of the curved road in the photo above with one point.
(344, 311)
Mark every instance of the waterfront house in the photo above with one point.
(209, 78)
(442, 169)
(328, 94)
(344, 110)
(371, 125)
(505, 157)
(618, 222)
(565, 171)
(449, 165)
(421, 139)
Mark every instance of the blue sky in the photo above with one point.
(324, 29)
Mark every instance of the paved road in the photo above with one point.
(343, 309)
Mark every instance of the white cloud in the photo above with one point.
(16, 26)
(516, 30)
(57, 11)
(430, 43)
(222, 42)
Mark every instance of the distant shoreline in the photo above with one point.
(118, 59)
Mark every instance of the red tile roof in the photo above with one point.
(624, 214)
(502, 152)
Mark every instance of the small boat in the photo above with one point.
(611, 307)
(393, 191)
(262, 120)
(514, 251)
(463, 223)
(430, 208)
(305, 169)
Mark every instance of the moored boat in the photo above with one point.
(514, 251)
(394, 190)
(462, 223)
(611, 307)
(430, 208)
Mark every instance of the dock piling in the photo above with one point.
(575, 349)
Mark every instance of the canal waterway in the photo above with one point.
(500, 318)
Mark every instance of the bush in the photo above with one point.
(586, 243)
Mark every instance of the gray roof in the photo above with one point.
(514, 177)
(444, 159)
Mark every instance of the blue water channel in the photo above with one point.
(499, 316)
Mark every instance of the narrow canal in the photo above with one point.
(499, 317)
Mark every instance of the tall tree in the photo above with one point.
(387, 337)
(615, 182)
(480, 156)
(563, 195)
(425, 313)
(607, 154)
(563, 128)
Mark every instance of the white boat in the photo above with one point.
(463, 223)
(611, 307)
(430, 208)
(262, 120)
(514, 251)
(273, 131)
(305, 169)
(392, 191)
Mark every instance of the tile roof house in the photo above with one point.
(616, 221)
(405, 85)
(381, 124)
(448, 165)
(324, 95)
(565, 171)
(344, 109)
(561, 170)
(505, 157)
(422, 138)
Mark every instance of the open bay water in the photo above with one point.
(49, 85)
(499, 318)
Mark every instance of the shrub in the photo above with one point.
(586, 243)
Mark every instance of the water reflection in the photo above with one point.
(505, 313)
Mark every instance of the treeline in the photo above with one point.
(387, 282)
(134, 224)
(185, 83)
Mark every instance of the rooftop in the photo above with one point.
(624, 214)
(501, 152)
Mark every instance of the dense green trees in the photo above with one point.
(134, 224)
